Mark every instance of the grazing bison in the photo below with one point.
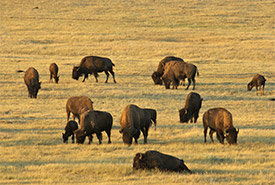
(134, 119)
(175, 71)
(31, 79)
(53, 72)
(156, 76)
(257, 81)
(69, 131)
(93, 65)
(220, 120)
(94, 122)
(156, 160)
(191, 108)
(75, 104)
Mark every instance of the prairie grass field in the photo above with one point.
(229, 42)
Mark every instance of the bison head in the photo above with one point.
(183, 115)
(249, 86)
(57, 79)
(138, 162)
(156, 78)
(127, 138)
(65, 138)
(76, 72)
(231, 136)
(80, 136)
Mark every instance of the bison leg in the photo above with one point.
(211, 132)
(256, 90)
(107, 76)
(113, 74)
(145, 134)
(99, 137)
(109, 136)
(72, 138)
(90, 139)
(86, 76)
(189, 83)
(194, 83)
(196, 115)
(220, 136)
(96, 75)
(205, 133)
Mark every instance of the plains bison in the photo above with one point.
(191, 109)
(53, 72)
(156, 76)
(31, 79)
(75, 104)
(175, 71)
(257, 81)
(94, 122)
(220, 120)
(71, 126)
(93, 65)
(132, 120)
(156, 160)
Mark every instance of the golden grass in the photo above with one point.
(229, 41)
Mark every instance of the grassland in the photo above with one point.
(229, 42)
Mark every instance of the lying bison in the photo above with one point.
(191, 108)
(75, 104)
(257, 81)
(93, 65)
(31, 79)
(132, 120)
(94, 122)
(156, 160)
(175, 71)
(156, 76)
(220, 120)
(53, 72)
(69, 131)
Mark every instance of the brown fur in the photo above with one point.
(71, 126)
(220, 120)
(53, 72)
(257, 81)
(156, 160)
(93, 65)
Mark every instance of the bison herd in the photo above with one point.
(134, 120)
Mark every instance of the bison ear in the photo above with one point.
(120, 130)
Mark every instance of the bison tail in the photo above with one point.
(20, 71)
(113, 64)
(198, 74)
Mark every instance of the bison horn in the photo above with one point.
(238, 130)
(140, 156)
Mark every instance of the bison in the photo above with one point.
(93, 65)
(31, 79)
(69, 131)
(156, 160)
(175, 71)
(153, 113)
(191, 109)
(53, 72)
(257, 81)
(156, 76)
(132, 120)
(220, 120)
(76, 103)
(94, 122)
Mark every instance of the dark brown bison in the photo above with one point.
(31, 79)
(132, 120)
(94, 122)
(257, 81)
(220, 120)
(93, 65)
(69, 131)
(175, 71)
(191, 109)
(156, 76)
(53, 72)
(156, 160)
(75, 105)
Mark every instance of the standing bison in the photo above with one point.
(257, 81)
(175, 71)
(69, 131)
(93, 65)
(156, 76)
(156, 160)
(94, 122)
(31, 79)
(53, 72)
(75, 105)
(132, 120)
(220, 120)
(191, 109)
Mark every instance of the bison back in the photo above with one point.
(218, 118)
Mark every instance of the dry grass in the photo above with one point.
(229, 41)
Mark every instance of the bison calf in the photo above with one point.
(75, 105)
(191, 109)
(257, 81)
(69, 131)
(220, 120)
(53, 72)
(156, 160)
(31, 79)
